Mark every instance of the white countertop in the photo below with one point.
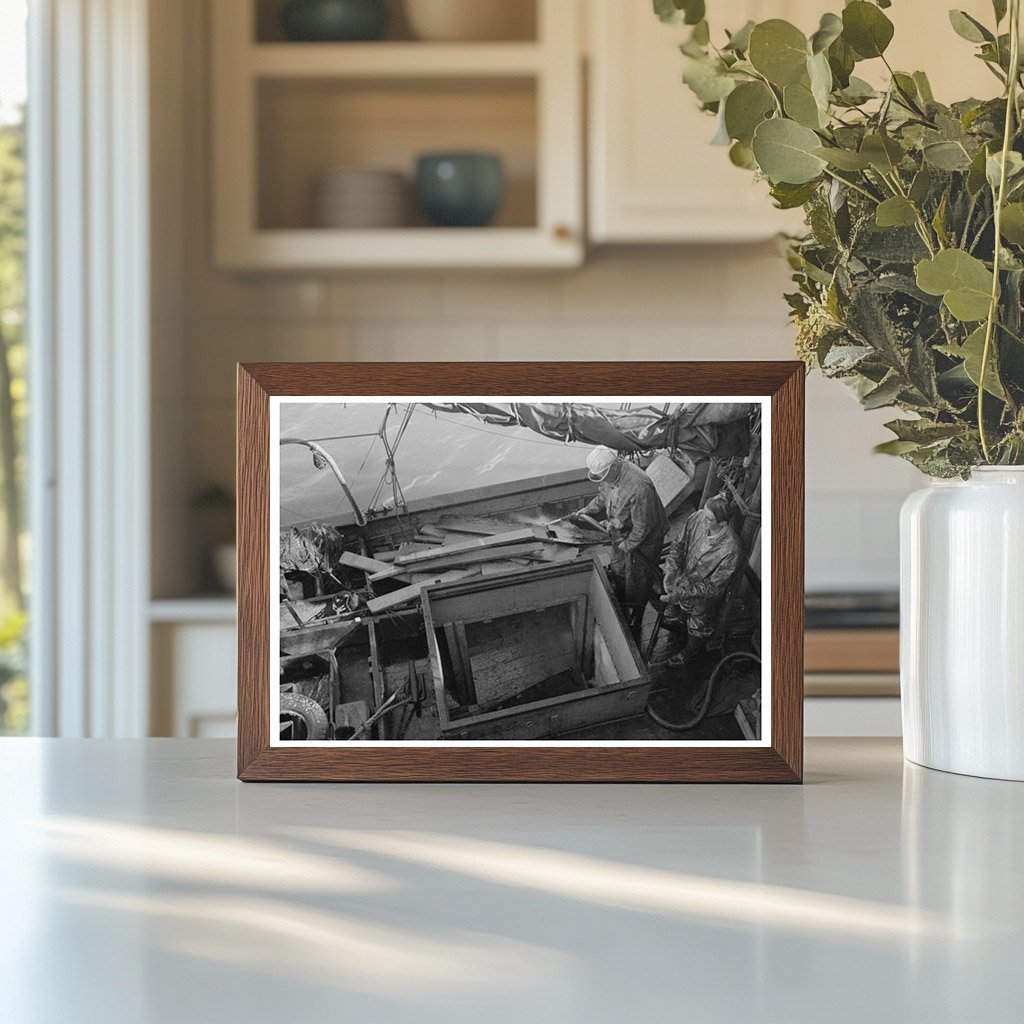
(144, 885)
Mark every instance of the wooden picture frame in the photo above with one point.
(779, 758)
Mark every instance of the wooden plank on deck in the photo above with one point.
(530, 549)
(499, 540)
(361, 562)
(412, 593)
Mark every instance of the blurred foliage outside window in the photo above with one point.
(14, 706)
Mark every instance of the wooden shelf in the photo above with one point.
(852, 650)
(393, 60)
(400, 247)
(206, 608)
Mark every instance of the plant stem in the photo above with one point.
(993, 309)
(923, 228)
(969, 218)
(856, 188)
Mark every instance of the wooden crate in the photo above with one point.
(492, 640)
(394, 642)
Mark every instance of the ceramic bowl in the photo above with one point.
(460, 189)
(358, 197)
(334, 20)
(471, 20)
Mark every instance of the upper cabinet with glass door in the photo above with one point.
(653, 174)
(373, 133)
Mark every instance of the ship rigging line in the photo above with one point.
(390, 474)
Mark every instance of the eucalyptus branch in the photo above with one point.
(893, 290)
(1000, 199)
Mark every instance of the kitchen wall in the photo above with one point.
(721, 302)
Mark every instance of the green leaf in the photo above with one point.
(841, 60)
(778, 50)
(830, 29)
(739, 41)
(741, 155)
(963, 281)
(746, 107)
(694, 10)
(969, 28)
(895, 447)
(885, 394)
(923, 431)
(1012, 226)
(939, 220)
(800, 105)
(883, 153)
(906, 89)
(976, 173)
(866, 29)
(789, 197)
(896, 212)
(999, 6)
(691, 48)
(921, 185)
(1014, 169)
(844, 159)
(971, 352)
(708, 80)
(946, 156)
(924, 87)
(820, 76)
(997, 53)
(675, 12)
(858, 91)
(785, 152)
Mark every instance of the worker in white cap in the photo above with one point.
(628, 503)
(600, 462)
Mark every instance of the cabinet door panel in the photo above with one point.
(655, 177)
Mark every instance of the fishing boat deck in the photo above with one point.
(476, 535)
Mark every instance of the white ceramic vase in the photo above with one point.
(962, 624)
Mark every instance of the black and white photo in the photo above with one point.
(520, 570)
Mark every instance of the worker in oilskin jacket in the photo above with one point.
(698, 571)
(635, 518)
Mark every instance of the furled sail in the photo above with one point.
(693, 427)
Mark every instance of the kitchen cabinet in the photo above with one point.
(286, 113)
(653, 175)
(192, 649)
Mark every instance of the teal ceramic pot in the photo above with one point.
(461, 190)
(331, 21)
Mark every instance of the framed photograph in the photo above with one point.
(520, 572)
